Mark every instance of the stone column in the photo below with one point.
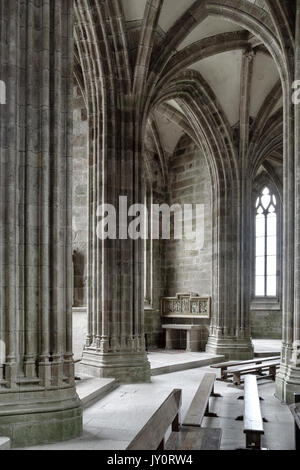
(230, 330)
(115, 345)
(38, 400)
(288, 377)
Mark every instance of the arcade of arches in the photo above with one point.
(161, 101)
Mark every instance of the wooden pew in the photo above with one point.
(224, 366)
(192, 438)
(295, 410)
(253, 422)
(271, 367)
(200, 404)
(152, 435)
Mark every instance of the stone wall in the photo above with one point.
(189, 266)
(266, 324)
(181, 266)
(80, 202)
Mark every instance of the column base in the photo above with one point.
(126, 367)
(287, 384)
(288, 376)
(231, 347)
(40, 417)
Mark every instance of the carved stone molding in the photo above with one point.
(188, 305)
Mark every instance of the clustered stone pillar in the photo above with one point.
(115, 345)
(230, 329)
(288, 377)
(38, 400)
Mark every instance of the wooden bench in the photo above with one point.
(253, 422)
(152, 435)
(271, 367)
(224, 366)
(191, 438)
(200, 404)
(295, 410)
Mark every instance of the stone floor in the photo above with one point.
(113, 421)
(279, 430)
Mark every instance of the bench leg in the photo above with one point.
(236, 378)
(208, 414)
(161, 445)
(175, 424)
(253, 440)
(223, 373)
(272, 372)
(215, 395)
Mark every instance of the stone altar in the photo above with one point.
(187, 332)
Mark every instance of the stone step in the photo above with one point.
(5, 443)
(91, 389)
(267, 354)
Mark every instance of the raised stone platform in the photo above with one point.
(91, 389)
(165, 362)
(266, 347)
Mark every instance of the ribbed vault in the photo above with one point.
(222, 71)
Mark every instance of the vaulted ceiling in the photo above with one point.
(222, 69)
(227, 56)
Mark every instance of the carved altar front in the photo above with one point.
(186, 306)
(186, 333)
